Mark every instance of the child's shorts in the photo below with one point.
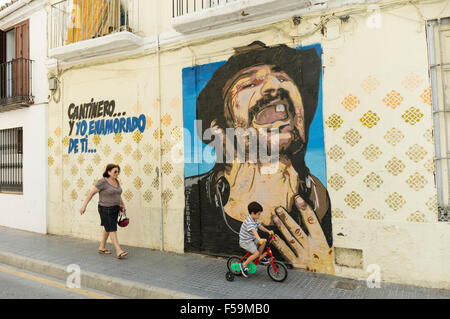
(250, 246)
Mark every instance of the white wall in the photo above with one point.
(28, 211)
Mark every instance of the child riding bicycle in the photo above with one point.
(249, 238)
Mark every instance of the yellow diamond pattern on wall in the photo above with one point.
(97, 159)
(353, 200)
(426, 96)
(128, 170)
(118, 158)
(155, 183)
(373, 181)
(369, 119)
(177, 181)
(352, 167)
(166, 147)
(148, 148)
(394, 136)
(148, 196)
(166, 196)
(74, 195)
(416, 153)
(336, 153)
(412, 82)
(50, 161)
(58, 131)
(432, 204)
(118, 138)
(352, 137)
(137, 137)
(395, 201)
(430, 165)
(372, 152)
(158, 133)
(167, 168)
(80, 159)
(350, 102)
(395, 166)
(128, 195)
(89, 170)
(336, 181)
(80, 183)
(374, 214)
(176, 133)
(74, 170)
(51, 142)
(96, 139)
(65, 141)
(138, 183)
(369, 84)
(393, 99)
(428, 135)
(66, 184)
(412, 115)
(148, 168)
(334, 121)
(107, 150)
(416, 217)
(337, 213)
(137, 155)
(127, 149)
(416, 181)
(166, 120)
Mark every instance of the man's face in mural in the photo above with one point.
(265, 97)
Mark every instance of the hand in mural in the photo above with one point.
(311, 252)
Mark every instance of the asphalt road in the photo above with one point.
(20, 284)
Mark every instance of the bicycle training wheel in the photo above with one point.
(233, 260)
(281, 273)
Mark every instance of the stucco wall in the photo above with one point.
(377, 119)
(28, 210)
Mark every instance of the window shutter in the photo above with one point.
(2, 64)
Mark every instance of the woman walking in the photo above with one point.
(108, 207)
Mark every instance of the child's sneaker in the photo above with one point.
(264, 261)
(244, 270)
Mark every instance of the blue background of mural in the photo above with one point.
(195, 79)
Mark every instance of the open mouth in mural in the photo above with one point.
(275, 115)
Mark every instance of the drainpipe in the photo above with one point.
(159, 171)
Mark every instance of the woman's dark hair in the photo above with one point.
(254, 208)
(110, 167)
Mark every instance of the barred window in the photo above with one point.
(438, 36)
(11, 156)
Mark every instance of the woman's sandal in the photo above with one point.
(122, 254)
(104, 252)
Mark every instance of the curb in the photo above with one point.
(117, 286)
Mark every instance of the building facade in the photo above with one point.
(360, 185)
(23, 117)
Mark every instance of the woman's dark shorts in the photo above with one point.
(108, 217)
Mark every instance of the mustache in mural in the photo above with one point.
(276, 112)
(270, 109)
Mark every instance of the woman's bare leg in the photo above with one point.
(105, 236)
(115, 242)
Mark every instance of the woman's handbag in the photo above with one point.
(123, 220)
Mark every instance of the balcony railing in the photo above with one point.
(16, 78)
(78, 20)
(183, 7)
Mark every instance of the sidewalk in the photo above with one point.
(148, 273)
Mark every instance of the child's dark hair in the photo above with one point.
(254, 208)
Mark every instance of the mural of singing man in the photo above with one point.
(259, 87)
